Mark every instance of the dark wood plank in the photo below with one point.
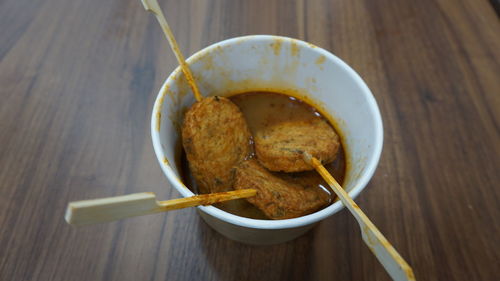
(78, 84)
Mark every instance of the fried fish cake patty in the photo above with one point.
(216, 138)
(279, 146)
(277, 198)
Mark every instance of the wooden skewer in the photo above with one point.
(138, 204)
(393, 263)
(153, 7)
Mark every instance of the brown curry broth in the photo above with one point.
(262, 109)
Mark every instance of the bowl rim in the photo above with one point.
(360, 184)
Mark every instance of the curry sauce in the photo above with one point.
(263, 109)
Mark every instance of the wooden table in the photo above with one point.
(77, 84)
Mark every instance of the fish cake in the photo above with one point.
(216, 138)
(277, 198)
(279, 146)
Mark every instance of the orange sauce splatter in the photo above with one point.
(320, 60)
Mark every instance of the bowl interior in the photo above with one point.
(271, 63)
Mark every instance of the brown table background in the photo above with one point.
(77, 84)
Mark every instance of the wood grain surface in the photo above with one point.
(77, 84)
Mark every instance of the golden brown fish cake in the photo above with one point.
(307, 179)
(279, 147)
(216, 138)
(277, 198)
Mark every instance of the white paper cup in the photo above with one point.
(279, 64)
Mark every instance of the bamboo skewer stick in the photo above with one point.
(139, 204)
(153, 7)
(393, 263)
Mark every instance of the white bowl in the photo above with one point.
(279, 64)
